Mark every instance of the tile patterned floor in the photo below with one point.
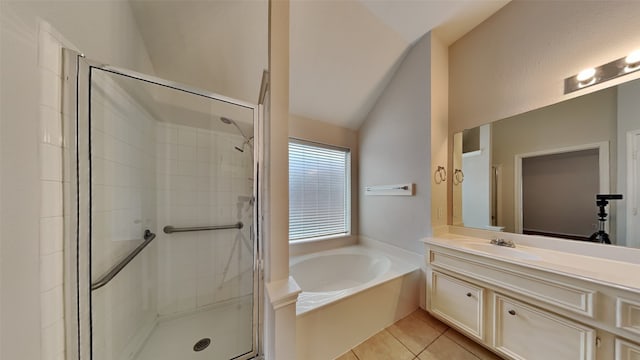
(418, 336)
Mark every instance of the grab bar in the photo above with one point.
(104, 280)
(170, 229)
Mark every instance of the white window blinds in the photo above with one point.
(318, 190)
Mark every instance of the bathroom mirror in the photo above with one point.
(539, 172)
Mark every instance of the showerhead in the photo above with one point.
(247, 140)
(228, 121)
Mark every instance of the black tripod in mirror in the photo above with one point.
(602, 200)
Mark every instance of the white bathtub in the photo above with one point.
(344, 270)
(349, 294)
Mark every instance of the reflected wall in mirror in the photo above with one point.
(539, 172)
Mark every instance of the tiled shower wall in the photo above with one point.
(123, 207)
(202, 181)
(52, 180)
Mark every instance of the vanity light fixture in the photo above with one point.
(602, 73)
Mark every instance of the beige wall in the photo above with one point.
(330, 134)
(103, 30)
(439, 128)
(279, 323)
(585, 120)
(277, 146)
(517, 59)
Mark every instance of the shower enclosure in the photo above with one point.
(162, 236)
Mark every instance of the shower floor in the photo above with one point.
(229, 327)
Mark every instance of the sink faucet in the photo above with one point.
(503, 242)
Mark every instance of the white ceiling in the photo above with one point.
(342, 52)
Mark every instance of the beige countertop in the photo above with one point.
(619, 274)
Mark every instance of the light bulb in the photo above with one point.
(633, 58)
(632, 61)
(586, 74)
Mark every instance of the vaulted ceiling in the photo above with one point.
(342, 52)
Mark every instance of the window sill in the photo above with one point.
(319, 238)
(300, 247)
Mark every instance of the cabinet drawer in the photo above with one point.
(458, 302)
(523, 332)
(628, 315)
(559, 294)
(626, 350)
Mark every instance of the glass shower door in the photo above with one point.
(171, 227)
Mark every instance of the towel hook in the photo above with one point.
(440, 175)
(458, 176)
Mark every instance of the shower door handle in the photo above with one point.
(104, 280)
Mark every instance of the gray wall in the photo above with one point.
(584, 120)
(395, 143)
(558, 193)
(628, 119)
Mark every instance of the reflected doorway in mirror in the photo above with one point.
(550, 177)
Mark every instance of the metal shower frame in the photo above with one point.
(77, 255)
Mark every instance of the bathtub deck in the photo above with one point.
(418, 336)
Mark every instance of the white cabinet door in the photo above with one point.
(458, 302)
(626, 350)
(527, 333)
(628, 315)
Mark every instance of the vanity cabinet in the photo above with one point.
(459, 302)
(524, 332)
(530, 313)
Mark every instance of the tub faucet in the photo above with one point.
(503, 242)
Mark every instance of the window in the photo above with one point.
(318, 190)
